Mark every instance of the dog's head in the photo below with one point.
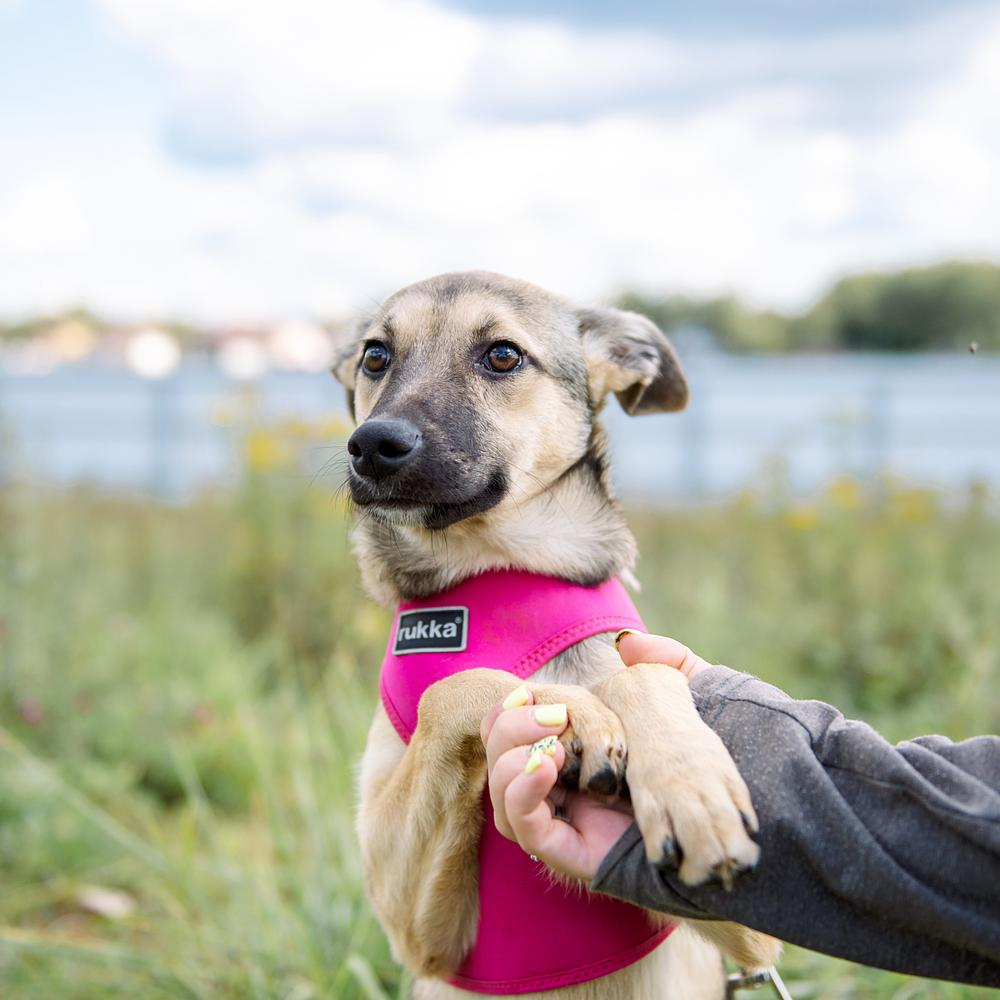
(472, 391)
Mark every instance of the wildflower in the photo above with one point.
(802, 517)
(845, 493)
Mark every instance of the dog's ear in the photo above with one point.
(346, 357)
(345, 366)
(628, 355)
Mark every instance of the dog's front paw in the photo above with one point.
(691, 805)
(594, 741)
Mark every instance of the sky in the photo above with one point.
(233, 161)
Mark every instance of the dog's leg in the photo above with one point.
(418, 827)
(421, 809)
(690, 803)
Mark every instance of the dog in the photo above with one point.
(479, 448)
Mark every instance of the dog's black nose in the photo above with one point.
(379, 447)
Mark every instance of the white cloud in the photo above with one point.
(263, 72)
(939, 168)
(255, 76)
(393, 139)
(45, 214)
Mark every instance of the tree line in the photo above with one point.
(949, 306)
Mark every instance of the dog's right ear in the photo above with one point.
(628, 355)
(345, 366)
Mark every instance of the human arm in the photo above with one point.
(884, 855)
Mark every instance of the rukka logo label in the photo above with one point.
(432, 630)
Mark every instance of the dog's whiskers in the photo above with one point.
(330, 466)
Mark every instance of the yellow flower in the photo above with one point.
(845, 493)
(802, 517)
(265, 451)
(914, 505)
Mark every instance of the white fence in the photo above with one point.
(929, 419)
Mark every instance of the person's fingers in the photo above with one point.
(521, 695)
(527, 807)
(510, 765)
(532, 819)
(637, 647)
(486, 726)
(576, 847)
(518, 726)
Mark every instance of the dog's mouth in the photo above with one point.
(428, 510)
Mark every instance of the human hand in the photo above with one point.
(525, 797)
(522, 784)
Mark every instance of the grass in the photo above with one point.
(184, 692)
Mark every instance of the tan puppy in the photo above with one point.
(478, 447)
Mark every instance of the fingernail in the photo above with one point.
(546, 745)
(518, 697)
(624, 632)
(550, 715)
(534, 762)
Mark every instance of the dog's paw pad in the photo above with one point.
(605, 782)
(569, 776)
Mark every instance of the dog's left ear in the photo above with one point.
(628, 355)
(345, 368)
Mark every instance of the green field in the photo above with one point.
(184, 692)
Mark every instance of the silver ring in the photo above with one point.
(534, 857)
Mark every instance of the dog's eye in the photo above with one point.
(375, 358)
(502, 358)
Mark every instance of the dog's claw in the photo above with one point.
(594, 741)
(708, 836)
(726, 871)
(726, 878)
(671, 855)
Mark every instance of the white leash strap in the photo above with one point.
(754, 981)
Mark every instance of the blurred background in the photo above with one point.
(197, 202)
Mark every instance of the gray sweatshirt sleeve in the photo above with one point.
(884, 855)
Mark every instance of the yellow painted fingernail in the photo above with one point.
(550, 715)
(546, 745)
(518, 697)
(624, 632)
(534, 762)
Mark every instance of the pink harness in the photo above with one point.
(533, 934)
